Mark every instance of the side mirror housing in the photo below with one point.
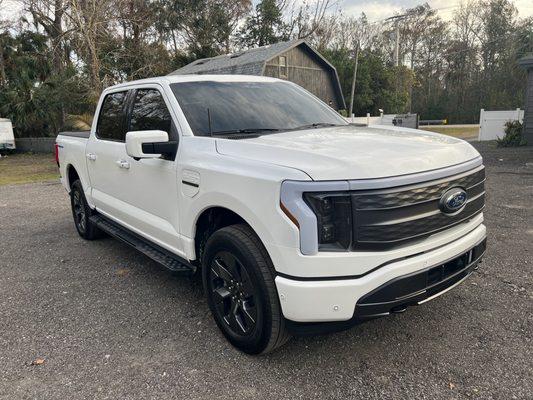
(146, 144)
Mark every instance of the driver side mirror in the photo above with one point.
(148, 144)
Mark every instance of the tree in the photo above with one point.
(306, 17)
(33, 96)
(264, 26)
(92, 24)
(206, 26)
(3, 28)
(49, 14)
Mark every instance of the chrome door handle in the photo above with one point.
(123, 164)
(91, 156)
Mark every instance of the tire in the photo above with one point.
(81, 213)
(238, 279)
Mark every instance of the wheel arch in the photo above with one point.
(71, 175)
(213, 218)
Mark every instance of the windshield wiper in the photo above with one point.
(245, 131)
(315, 125)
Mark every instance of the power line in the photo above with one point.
(457, 5)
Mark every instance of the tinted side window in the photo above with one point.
(150, 112)
(110, 122)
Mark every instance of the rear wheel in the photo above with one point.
(81, 213)
(239, 282)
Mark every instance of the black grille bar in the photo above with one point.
(383, 219)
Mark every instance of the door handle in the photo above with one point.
(91, 156)
(123, 164)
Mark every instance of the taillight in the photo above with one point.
(56, 153)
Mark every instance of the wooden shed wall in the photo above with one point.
(305, 70)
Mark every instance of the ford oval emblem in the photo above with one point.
(452, 200)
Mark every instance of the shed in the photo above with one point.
(527, 63)
(295, 61)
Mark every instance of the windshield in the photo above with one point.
(250, 107)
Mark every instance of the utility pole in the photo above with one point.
(396, 44)
(354, 78)
(396, 19)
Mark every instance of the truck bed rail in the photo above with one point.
(78, 134)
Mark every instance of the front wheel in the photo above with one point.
(239, 281)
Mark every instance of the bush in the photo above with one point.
(513, 135)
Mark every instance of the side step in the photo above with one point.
(152, 250)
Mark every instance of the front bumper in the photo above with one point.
(390, 288)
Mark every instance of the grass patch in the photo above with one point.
(27, 168)
(467, 132)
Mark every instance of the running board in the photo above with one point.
(155, 252)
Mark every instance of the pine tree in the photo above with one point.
(265, 26)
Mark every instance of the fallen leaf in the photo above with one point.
(122, 272)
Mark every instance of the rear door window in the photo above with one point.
(111, 119)
(149, 112)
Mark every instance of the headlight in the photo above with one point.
(334, 219)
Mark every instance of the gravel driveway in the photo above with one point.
(97, 320)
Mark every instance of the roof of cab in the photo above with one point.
(169, 79)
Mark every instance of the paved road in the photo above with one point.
(111, 324)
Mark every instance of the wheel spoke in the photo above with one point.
(221, 271)
(235, 311)
(230, 263)
(221, 294)
(231, 318)
(247, 286)
(249, 313)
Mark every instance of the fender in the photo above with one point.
(223, 200)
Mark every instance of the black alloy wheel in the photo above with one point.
(233, 293)
(238, 278)
(78, 209)
(81, 213)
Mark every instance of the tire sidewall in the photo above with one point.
(258, 340)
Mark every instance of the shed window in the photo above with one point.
(283, 69)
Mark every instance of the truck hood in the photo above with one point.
(353, 152)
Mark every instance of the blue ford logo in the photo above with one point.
(452, 200)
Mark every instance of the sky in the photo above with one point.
(374, 9)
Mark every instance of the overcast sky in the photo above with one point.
(374, 9)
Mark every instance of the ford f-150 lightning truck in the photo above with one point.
(298, 221)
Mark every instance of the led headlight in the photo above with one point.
(334, 219)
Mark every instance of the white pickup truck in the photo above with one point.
(298, 221)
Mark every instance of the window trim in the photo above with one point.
(131, 103)
(281, 67)
(123, 119)
(131, 100)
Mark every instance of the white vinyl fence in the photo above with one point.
(399, 120)
(383, 119)
(492, 123)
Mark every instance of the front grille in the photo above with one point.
(386, 218)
